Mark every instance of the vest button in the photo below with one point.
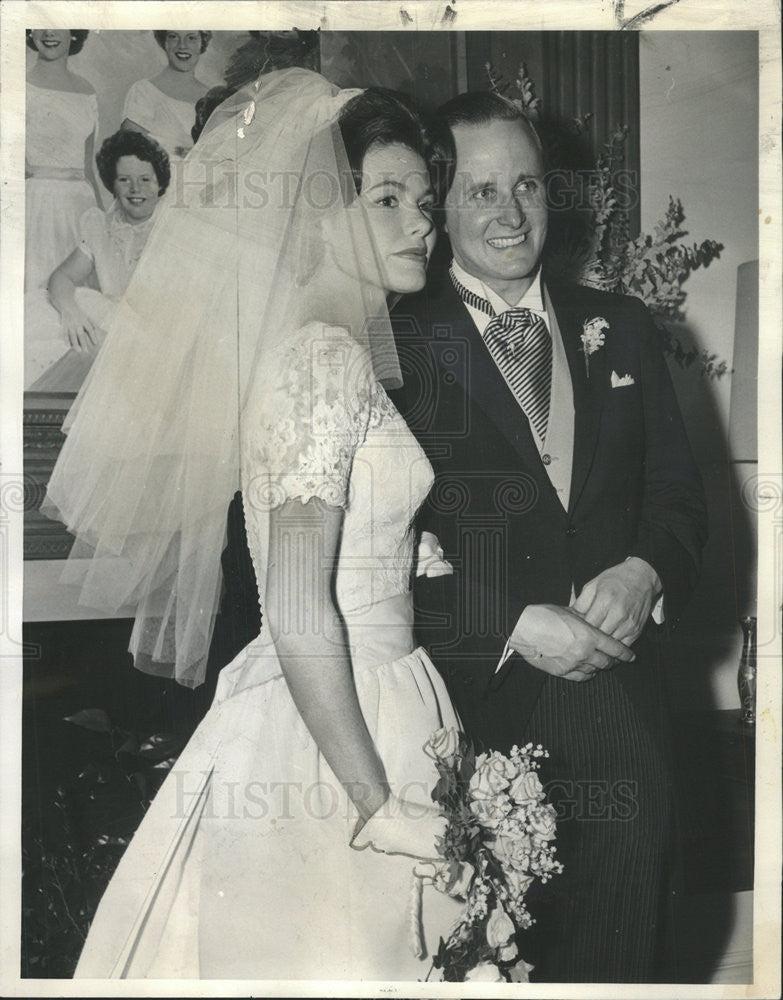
(546, 459)
(570, 531)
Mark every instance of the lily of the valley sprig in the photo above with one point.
(593, 338)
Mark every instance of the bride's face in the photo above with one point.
(398, 198)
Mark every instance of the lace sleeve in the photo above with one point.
(308, 415)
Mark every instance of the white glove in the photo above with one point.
(402, 827)
(451, 877)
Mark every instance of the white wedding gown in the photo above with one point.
(242, 867)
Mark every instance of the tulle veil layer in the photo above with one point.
(261, 234)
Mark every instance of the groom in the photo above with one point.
(568, 502)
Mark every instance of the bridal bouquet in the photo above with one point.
(499, 839)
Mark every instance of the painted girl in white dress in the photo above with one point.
(283, 843)
(164, 106)
(66, 322)
(60, 132)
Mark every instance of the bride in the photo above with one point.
(251, 351)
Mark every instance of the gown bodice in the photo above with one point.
(58, 123)
(327, 429)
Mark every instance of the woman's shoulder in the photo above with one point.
(160, 86)
(146, 91)
(142, 87)
(82, 86)
(74, 85)
(93, 222)
(137, 85)
(94, 216)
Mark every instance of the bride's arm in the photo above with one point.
(310, 640)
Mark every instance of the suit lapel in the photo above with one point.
(588, 381)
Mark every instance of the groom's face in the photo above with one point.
(496, 214)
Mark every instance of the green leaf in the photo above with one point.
(160, 746)
(94, 719)
(130, 746)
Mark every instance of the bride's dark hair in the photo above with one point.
(383, 117)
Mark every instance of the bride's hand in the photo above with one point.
(400, 826)
(450, 877)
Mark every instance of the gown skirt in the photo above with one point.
(242, 869)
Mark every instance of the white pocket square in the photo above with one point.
(619, 381)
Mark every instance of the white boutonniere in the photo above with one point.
(593, 338)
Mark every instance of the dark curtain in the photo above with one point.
(575, 73)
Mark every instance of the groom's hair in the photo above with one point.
(474, 107)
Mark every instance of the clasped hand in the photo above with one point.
(597, 630)
(619, 600)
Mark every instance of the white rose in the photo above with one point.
(518, 883)
(484, 972)
(493, 775)
(542, 821)
(526, 789)
(443, 745)
(509, 953)
(513, 851)
(490, 813)
(500, 928)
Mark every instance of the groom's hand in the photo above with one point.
(559, 641)
(619, 600)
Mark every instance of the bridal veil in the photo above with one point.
(233, 264)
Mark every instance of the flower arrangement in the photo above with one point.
(652, 266)
(500, 837)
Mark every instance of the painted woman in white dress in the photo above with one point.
(61, 126)
(164, 106)
(284, 841)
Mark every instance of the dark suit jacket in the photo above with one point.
(635, 491)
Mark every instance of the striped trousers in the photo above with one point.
(601, 920)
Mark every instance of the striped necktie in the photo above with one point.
(521, 347)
